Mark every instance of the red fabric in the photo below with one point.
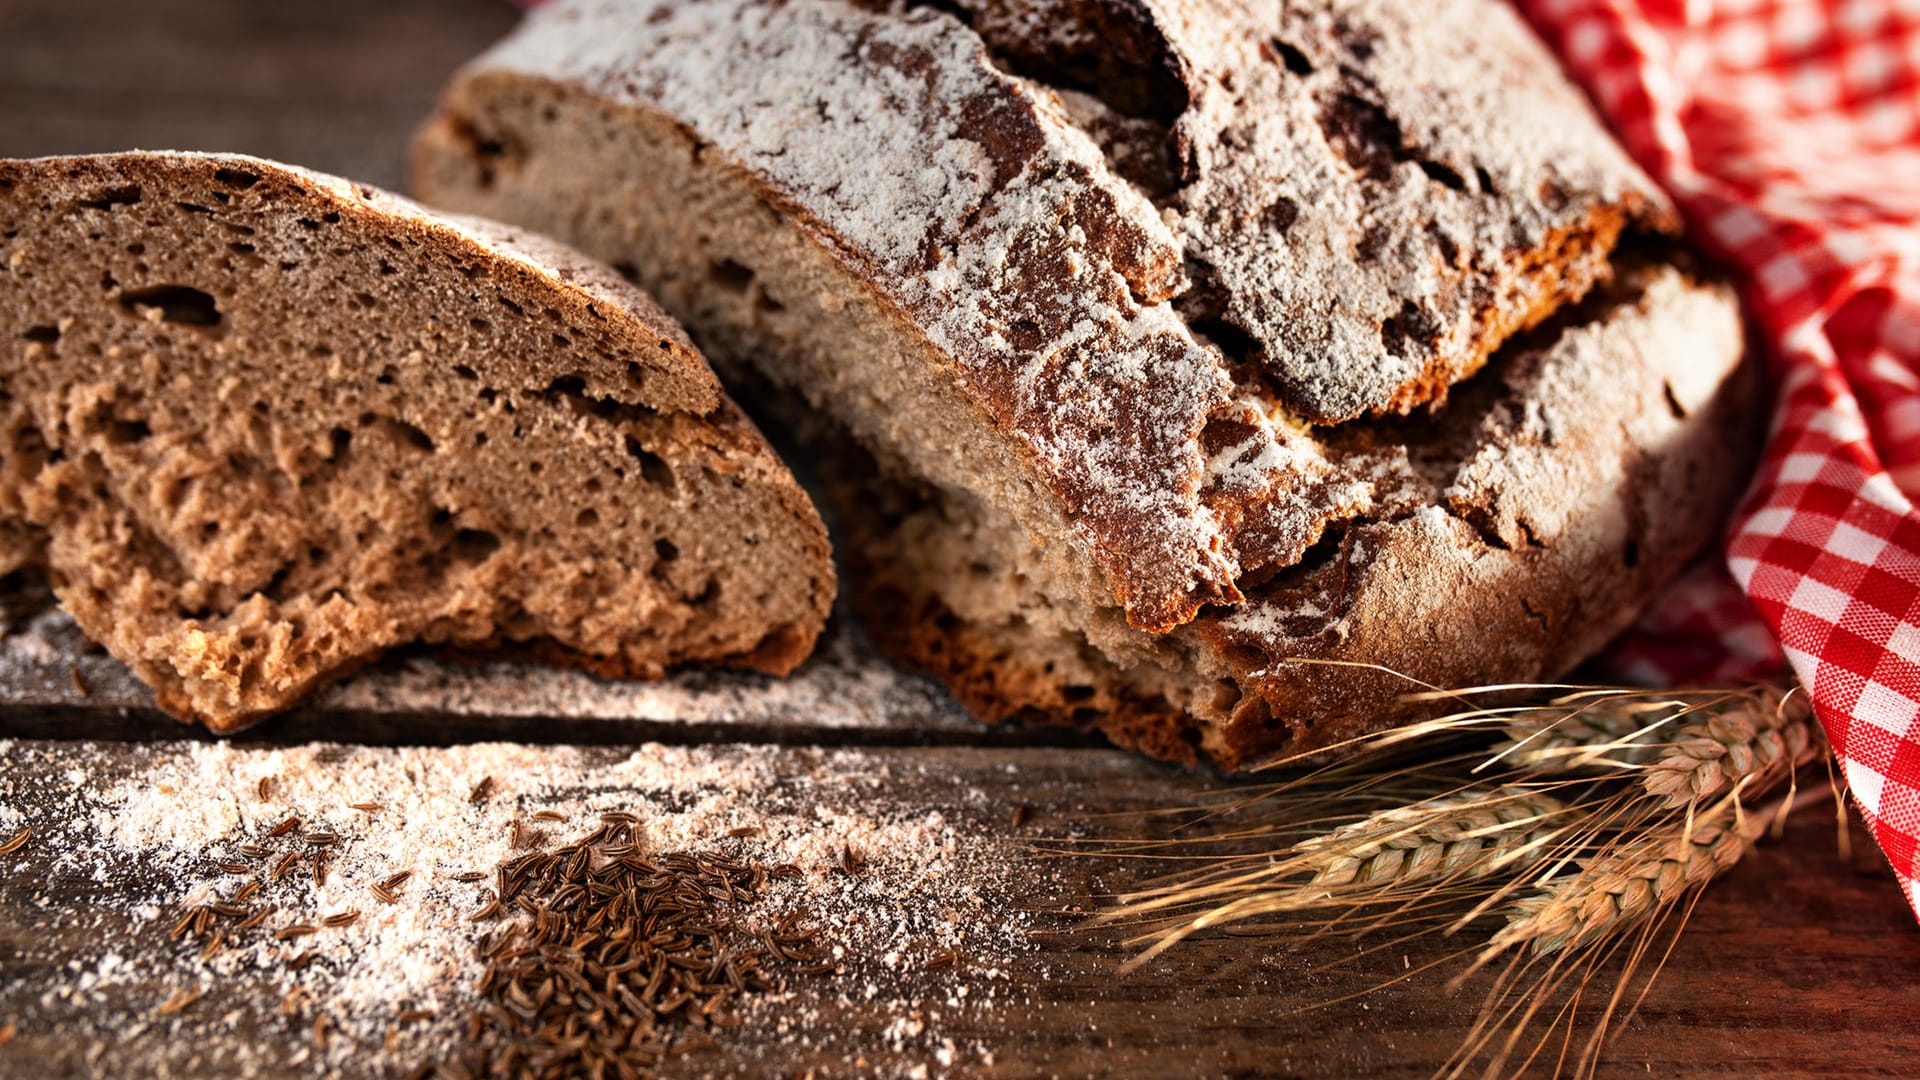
(1789, 132)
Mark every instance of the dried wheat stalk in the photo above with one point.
(1718, 748)
(1626, 885)
(1468, 834)
(1599, 816)
(1599, 733)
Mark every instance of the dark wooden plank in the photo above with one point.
(1797, 964)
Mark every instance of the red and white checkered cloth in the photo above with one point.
(1789, 132)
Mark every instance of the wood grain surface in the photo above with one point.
(1800, 963)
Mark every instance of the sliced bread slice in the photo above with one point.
(259, 425)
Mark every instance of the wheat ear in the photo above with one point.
(1621, 888)
(1605, 732)
(1723, 745)
(1468, 834)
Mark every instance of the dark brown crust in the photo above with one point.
(1539, 283)
(1410, 613)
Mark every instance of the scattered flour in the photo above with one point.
(926, 881)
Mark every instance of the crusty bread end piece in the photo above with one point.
(259, 425)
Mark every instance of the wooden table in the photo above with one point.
(1798, 963)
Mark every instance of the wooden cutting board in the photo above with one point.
(1799, 963)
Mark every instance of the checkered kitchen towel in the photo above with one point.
(1789, 132)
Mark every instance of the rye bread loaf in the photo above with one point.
(1159, 321)
(258, 425)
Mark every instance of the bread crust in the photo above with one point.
(214, 548)
(1474, 584)
(1186, 396)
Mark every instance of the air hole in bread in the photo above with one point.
(45, 335)
(129, 432)
(1244, 658)
(653, 468)
(236, 178)
(1362, 133)
(1674, 407)
(730, 275)
(480, 326)
(1254, 710)
(1409, 326)
(124, 195)
(1287, 56)
(473, 545)
(1281, 215)
(664, 550)
(587, 518)
(1226, 694)
(1443, 175)
(402, 432)
(489, 154)
(179, 304)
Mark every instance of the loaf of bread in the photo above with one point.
(258, 425)
(1160, 326)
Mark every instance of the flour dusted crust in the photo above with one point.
(259, 425)
(1147, 269)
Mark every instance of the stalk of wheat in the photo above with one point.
(1717, 749)
(1467, 834)
(1594, 818)
(1626, 884)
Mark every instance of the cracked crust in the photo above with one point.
(1630, 417)
(259, 425)
(1062, 302)
(1028, 273)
